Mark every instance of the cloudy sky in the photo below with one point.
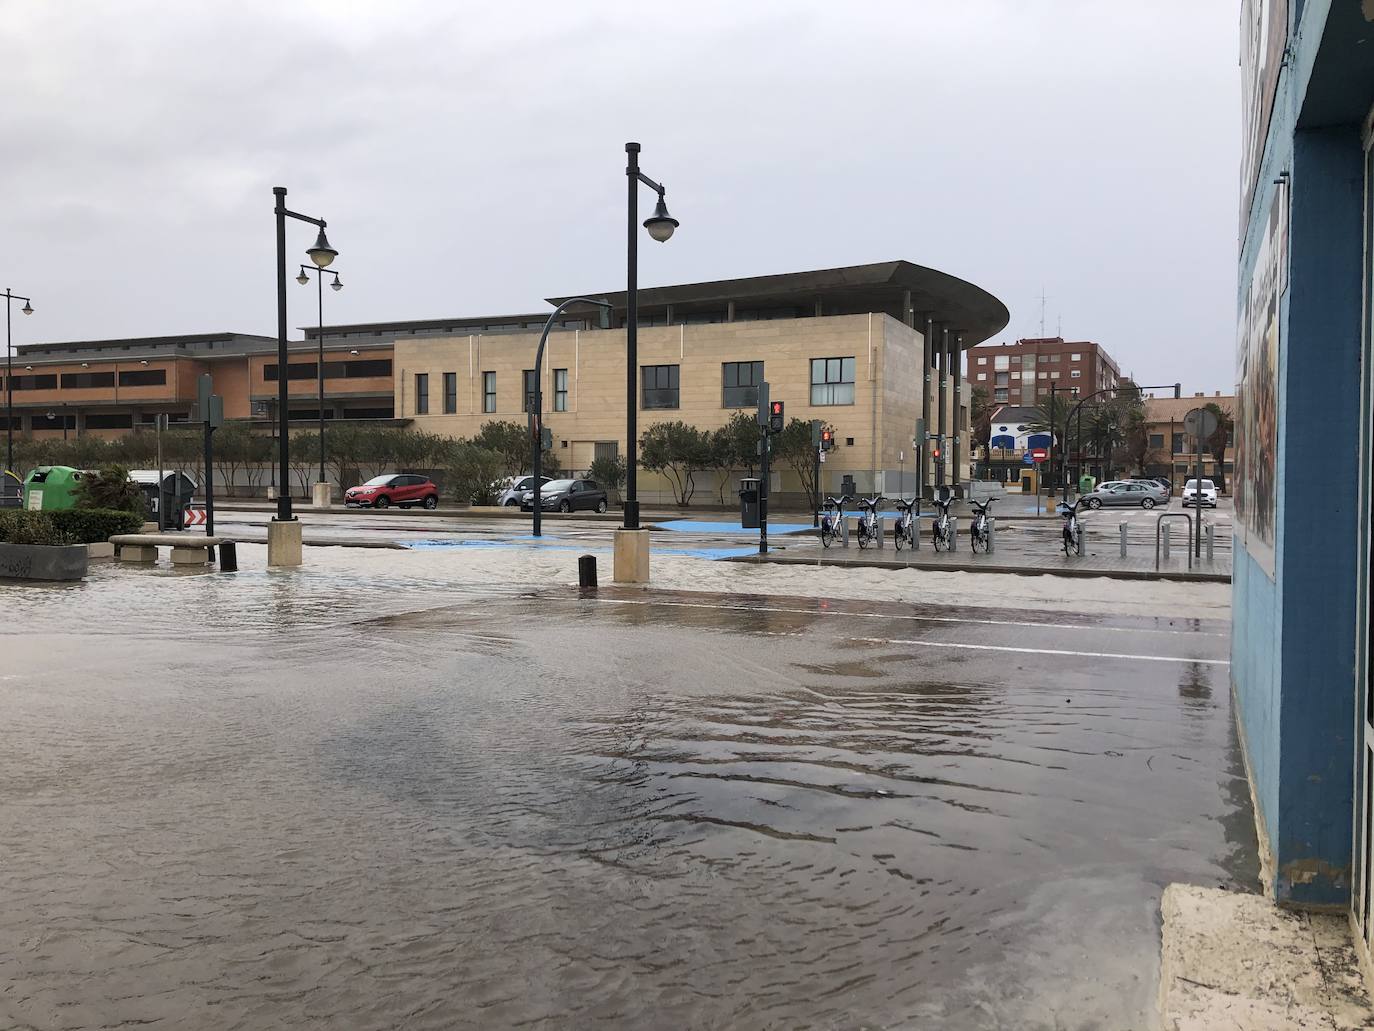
(470, 157)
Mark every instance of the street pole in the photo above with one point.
(161, 500)
(10, 298)
(209, 480)
(763, 495)
(816, 479)
(1197, 493)
(319, 290)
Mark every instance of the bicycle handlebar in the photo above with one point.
(872, 502)
(838, 502)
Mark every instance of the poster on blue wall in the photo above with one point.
(1263, 40)
(1255, 483)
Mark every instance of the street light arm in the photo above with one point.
(16, 297)
(302, 218)
(1097, 393)
(658, 187)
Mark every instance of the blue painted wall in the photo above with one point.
(1294, 637)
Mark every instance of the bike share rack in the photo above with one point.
(1159, 524)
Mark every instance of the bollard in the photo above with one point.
(1211, 539)
(1124, 525)
(882, 532)
(228, 557)
(992, 534)
(953, 534)
(586, 571)
(1166, 540)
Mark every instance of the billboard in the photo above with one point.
(1263, 42)
(1255, 481)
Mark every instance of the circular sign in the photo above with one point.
(1200, 423)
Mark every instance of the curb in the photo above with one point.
(1069, 572)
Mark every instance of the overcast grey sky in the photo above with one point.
(469, 157)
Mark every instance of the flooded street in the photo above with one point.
(364, 796)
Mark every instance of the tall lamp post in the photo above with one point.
(1139, 391)
(10, 298)
(288, 540)
(303, 279)
(660, 226)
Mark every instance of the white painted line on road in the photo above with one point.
(919, 619)
(1043, 651)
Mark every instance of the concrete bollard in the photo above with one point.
(992, 534)
(882, 532)
(228, 557)
(586, 572)
(1167, 528)
(953, 534)
(1211, 539)
(1123, 527)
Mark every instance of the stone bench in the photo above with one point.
(187, 549)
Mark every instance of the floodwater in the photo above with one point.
(342, 799)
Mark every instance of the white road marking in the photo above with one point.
(919, 619)
(1044, 651)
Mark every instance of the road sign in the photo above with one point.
(1027, 459)
(1039, 454)
(195, 517)
(1200, 423)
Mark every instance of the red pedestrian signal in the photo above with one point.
(827, 439)
(775, 417)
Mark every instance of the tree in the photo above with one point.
(794, 446)
(1136, 448)
(305, 457)
(1216, 443)
(609, 471)
(677, 451)
(734, 446)
(110, 488)
(473, 474)
(510, 441)
(981, 407)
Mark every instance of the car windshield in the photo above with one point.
(379, 481)
(1206, 485)
(553, 486)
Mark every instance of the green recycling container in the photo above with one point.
(51, 487)
(1086, 484)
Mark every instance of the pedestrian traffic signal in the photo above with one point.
(935, 452)
(775, 417)
(827, 439)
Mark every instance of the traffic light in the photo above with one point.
(935, 452)
(763, 404)
(546, 439)
(775, 417)
(827, 439)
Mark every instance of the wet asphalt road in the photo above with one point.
(271, 800)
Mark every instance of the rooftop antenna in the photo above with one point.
(1059, 331)
(1042, 310)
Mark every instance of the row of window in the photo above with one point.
(1000, 378)
(832, 383)
(1000, 393)
(367, 368)
(87, 380)
(1002, 361)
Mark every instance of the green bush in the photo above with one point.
(109, 489)
(72, 526)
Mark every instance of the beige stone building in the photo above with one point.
(846, 346)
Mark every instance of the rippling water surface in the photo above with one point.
(326, 800)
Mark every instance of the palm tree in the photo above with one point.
(1216, 443)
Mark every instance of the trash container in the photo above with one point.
(749, 503)
(177, 489)
(1087, 484)
(52, 487)
(848, 486)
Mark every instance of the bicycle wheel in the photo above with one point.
(898, 537)
(1078, 541)
(975, 539)
(1068, 542)
(937, 537)
(827, 535)
(863, 536)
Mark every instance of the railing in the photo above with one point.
(1159, 523)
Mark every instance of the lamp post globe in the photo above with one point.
(336, 285)
(322, 254)
(302, 278)
(661, 224)
(27, 309)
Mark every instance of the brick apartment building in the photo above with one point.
(1022, 373)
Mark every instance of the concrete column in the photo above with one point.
(323, 494)
(729, 311)
(908, 313)
(955, 451)
(631, 560)
(929, 357)
(284, 543)
(819, 310)
(942, 425)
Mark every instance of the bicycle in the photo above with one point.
(980, 532)
(942, 529)
(1073, 532)
(904, 530)
(868, 532)
(832, 520)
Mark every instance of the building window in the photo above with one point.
(450, 393)
(982, 375)
(422, 393)
(832, 381)
(1044, 375)
(142, 378)
(1075, 374)
(108, 420)
(999, 379)
(1054, 374)
(87, 380)
(999, 394)
(1054, 358)
(659, 386)
(983, 360)
(560, 390)
(740, 384)
(488, 391)
(531, 388)
(1000, 362)
(43, 382)
(1075, 357)
(1044, 358)
(1156, 440)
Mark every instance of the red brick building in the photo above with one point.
(1022, 373)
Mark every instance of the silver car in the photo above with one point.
(1131, 493)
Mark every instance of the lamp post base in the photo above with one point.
(284, 543)
(631, 564)
(323, 494)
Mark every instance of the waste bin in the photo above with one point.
(1086, 484)
(52, 487)
(749, 503)
(177, 489)
(848, 486)
(11, 490)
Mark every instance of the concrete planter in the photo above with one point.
(42, 562)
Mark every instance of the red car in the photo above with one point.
(404, 490)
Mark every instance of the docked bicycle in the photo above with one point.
(1072, 536)
(904, 529)
(942, 529)
(868, 532)
(832, 520)
(980, 532)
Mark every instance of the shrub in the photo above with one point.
(473, 475)
(609, 471)
(24, 527)
(93, 525)
(110, 489)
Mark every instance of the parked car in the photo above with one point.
(404, 490)
(1166, 483)
(1135, 493)
(1190, 493)
(568, 496)
(517, 486)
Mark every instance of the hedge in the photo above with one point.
(70, 526)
